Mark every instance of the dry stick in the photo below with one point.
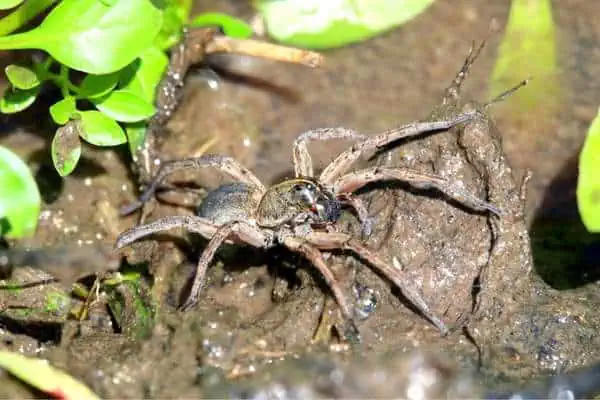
(255, 48)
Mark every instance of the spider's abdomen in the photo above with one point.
(229, 202)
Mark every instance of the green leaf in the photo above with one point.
(63, 110)
(44, 377)
(21, 77)
(66, 147)
(20, 16)
(143, 76)
(588, 181)
(231, 26)
(20, 199)
(131, 305)
(92, 36)
(136, 134)
(15, 100)
(94, 86)
(125, 106)
(175, 16)
(100, 130)
(8, 4)
(321, 24)
(528, 49)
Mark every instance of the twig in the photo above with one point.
(255, 48)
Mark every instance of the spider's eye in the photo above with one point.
(304, 192)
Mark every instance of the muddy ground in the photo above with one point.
(265, 326)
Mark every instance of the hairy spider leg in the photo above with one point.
(225, 164)
(312, 254)
(452, 92)
(342, 163)
(303, 166)
(338, 240)
(194, 224)
(241, 232)
(355, 180)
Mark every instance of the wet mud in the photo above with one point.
(266, 324)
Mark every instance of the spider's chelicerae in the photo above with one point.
(300, 213)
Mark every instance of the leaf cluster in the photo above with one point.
(106, 57)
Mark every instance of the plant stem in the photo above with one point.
(23, 14)
(64, 80)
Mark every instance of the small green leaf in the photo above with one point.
(20, 199)
(8, 4)
(175, 16)
(125, 106)
(44, 377)
(92, 36)
(63, 110)
(136, 134)
(21, 77)
(143, 76)
(231, 26)
(101, 130)
(15, 100)
(588, 181)
(319, 24)
(94, 86)
(66, 147)
(131, 305)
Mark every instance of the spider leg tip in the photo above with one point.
(130, 208)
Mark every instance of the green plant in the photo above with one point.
(106, 57)
(19, 197)
(588, 181)
(318, 24)
(41, 375)
(528, 48)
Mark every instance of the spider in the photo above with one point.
(300, 213)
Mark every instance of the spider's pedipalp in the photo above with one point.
(338, 240)
(241, 232)
(366, 223)
(225, 164)
(355, 180)
(303, 166)
(342, 163)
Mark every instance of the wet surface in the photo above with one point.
(265, 326)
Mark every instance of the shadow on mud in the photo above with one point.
(565, 254)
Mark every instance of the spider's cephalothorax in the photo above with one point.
(291, 203)
(298, 213)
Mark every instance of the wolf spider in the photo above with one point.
(299, 213)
